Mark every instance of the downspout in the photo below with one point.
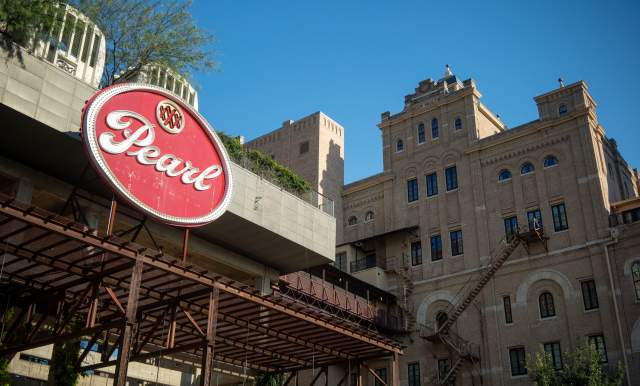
(614, 240)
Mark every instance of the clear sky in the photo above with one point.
(353, 60)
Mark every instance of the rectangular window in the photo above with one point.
(456, 243)
(589, 295)
(436, 248)
(341, 261)
(414, 374)
(553, 350)
(444, 365)
(432, 184)
(67, 31)
(412, 190)
(94, 50)
(508, 316)
(559, 217)
(382, 373)
(597, 343)
(304, 147)
(534, 219)
(77, 38)
(518, 361)
(510, 227)
(420, 133)
(416, 253)
(451, 175)
(434, 132)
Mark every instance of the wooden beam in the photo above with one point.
(376, 376)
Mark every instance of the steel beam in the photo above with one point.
(122, 362)
(210, 340)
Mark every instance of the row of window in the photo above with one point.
(528, 168)
(451, 179)
(435, 132)
(457, 247)
(546, 303)
(517, 355)
(534, 220)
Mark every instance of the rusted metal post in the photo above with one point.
(209, 343)
(122, 362)
(395, 370)
(171, 335)
(112, 216)
(185, 245)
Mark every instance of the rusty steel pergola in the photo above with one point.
(67, 281)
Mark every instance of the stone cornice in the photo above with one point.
(524, 150)
(414, 111)
(365, 201)
(522, 131)
(366, 183)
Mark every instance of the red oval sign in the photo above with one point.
(158, 154)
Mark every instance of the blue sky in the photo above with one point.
(353, 60)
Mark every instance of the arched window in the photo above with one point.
(504, 175)
(458, 123)
(421, 132)
(550, 160)
(547, 309)
(369, 216)
(399, 145)
(562, 109)
(434, 128)
(441, 319)
(526, 168)
(635, 272)
(353, 220)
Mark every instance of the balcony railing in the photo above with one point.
(367, 262)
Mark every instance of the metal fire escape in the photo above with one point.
(463, 350)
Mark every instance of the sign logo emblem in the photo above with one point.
(158, 154)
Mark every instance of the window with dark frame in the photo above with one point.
(597, 343)
(508, 316)
(414, 374)
(421, 136)
(416, 253)
(589, 295)
(412, 190)
(456, 243)
(399, 145)
(451, 175)
(510, 227)
(547, 308)
(432, 184)
(444, 365)
(436, 248)
(562, 110)
(434, 128)
(458, 123)
(526, 168)
(504, 175)
(304, 147)
(559, 217)
(553, 350)
(550, 160)
(635, 273)
(341, 261)
(534, 219)
(518, 361)
(382, 373)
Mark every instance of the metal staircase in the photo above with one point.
(462, 349)
(404, 290)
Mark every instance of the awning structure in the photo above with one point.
(67, 281)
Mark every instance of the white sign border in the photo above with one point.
(95, 153)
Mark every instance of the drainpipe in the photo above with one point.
(614, 240)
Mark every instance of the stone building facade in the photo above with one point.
(456, 184)
(313, 147)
